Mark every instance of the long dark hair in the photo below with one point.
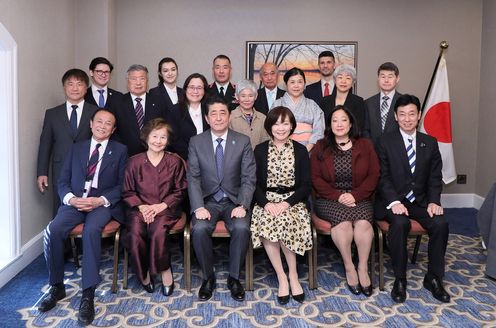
(329, 141)
(183, 102)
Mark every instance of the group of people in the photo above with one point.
(257, 158)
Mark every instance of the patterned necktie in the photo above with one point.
(384, 111)
(219, 161)
(140, 116)
(73, 120)
(101, 99)
(326, 89)
(221, 92)
(410, 152)
(93, 163)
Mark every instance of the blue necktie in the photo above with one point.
(101, 99)
(410, 152)
(93, 163)
(219, 161)
(73, 120)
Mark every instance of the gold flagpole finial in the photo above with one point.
(444, 45)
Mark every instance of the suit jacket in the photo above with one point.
(314, 91)
(365, 171)
(229, 96)
(160, 92)
(238, 181)
(110, 176)
(261, 103)
(353, 102)
(128, 131)
(56, 138)
(113, 97)
(183, 128)
(373, 125)
(302, 174)
(397, 179)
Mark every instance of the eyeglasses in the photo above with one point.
(193, 88)
(100, 72)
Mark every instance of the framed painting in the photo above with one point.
(302, 54)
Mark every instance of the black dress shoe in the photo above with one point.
(150, 287)
(435, 286)
(354, 289)
(299, 298)
(168, 290)
(367, 291)
(86, 311)
(56, 293)
(206, 289)
(398, 294)
(237, 290)
(283, 299)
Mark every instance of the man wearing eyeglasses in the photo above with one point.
(99, 94)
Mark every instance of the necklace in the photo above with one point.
(342, 144)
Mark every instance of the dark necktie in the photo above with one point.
(384, 111)
(219, 161)
(93, 163)
(221, 92)
(410, 152)
(140, 116)
(73, 120)
(101, 99)
(326, 89)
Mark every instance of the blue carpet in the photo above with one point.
(473, 295)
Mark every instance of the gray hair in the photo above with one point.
(345, 69)
(137, 67)
(246, 84)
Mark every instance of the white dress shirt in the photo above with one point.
(79, 110)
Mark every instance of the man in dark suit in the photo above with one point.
(379, 116)
(269, 75)
(91, 192)
(135, 109)
(323, 88)
(221, 182)
(410, 188)
(99, 94)
(222, 87)
(63, 125)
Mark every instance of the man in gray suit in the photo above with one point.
(63, 125)
(221, 182)
(379, 117)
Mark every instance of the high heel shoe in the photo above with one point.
(150, 287)
(299, 298)
(367, 291)
(283, 299)
(168, 290)
(356, 289)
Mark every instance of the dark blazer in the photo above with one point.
(128, 131)
(229, 96)
(353, 102)
(314, 91)
(303, 184)
(261, 103)
(110, 176)
(113, 97)
(56, 139)
(365, 171)
(238, 181)
(160, 92)
(373, 125)
(396, 177)
(183, 129)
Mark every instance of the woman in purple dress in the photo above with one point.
(154, 188)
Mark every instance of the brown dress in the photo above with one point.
(148, 184)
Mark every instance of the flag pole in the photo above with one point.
(443, 45)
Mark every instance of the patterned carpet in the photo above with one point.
(473, 297)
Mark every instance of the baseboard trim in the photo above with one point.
(461, 200)
(31, 250)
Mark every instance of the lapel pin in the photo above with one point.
(234, 142)
(422, 145)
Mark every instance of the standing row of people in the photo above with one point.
(224, 172)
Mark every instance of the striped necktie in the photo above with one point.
(410, 152)
(140, 115)
(93, 163)
(384, 111)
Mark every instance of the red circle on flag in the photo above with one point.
(437, 122)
